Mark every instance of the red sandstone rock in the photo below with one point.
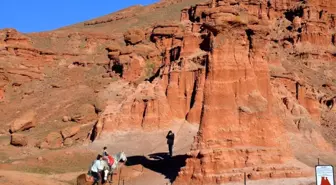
(134, 36)
(19, 140)
(66, 118)
(214, 69)
(84, 114)
(12, 36)
(248, 92)
(70, 131)
(53, 140)
(145, 107)
(68, 142)
(24, 122)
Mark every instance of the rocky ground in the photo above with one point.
(147, 162)
(247, 86)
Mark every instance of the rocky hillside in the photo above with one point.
(61, 78)
(257, 76)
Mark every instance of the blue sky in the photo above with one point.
(42, 15)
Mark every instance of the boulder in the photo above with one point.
(83, 133)
(68, 142)
(24, 122)
(70, 131)
(84, 114)
(19, 140)
(54, 140)
(66, 119)
(134, 36)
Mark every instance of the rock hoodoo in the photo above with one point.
(239, 128)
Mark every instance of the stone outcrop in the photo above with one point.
(24, 122)
(244, 70)
(53, 140)
(19, 140)
(133, 37)
(145, 107)
(70, 131)
(13, 37)
(188, 51)
(215, 70)
(238, 121)
(84, 114)
(68, 142)
(133, 63)
(46, 71)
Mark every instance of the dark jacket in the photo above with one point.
(170, 138)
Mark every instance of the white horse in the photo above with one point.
(108, 170)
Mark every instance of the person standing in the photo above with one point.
(95, 169)
(170, 141)
(105, 153)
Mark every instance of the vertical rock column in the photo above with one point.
(238, 132)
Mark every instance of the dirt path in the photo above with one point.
(150, 150)
(21, 178)
(148, 163)
(144, 143)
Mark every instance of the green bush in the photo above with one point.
(149, 68)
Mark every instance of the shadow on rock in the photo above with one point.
(160, 163)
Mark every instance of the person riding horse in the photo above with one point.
(105, 153)
(100, 165)
(110, 163)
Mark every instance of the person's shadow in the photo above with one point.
(160, 163)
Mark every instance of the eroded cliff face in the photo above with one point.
(247, 72)
(78, 65)
(241, 118)
(171, 68)
(274, 39)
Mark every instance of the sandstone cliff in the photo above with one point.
(257, 76)
(237, 69)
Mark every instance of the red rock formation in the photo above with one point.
(24, 122)
(134, 36)
(19, 140)
(53, 140)
(70, 131)
(185, 49)
(144, 108)
(238, 99)
(240, 69)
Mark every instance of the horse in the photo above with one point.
(108, 170)
(85, 179)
